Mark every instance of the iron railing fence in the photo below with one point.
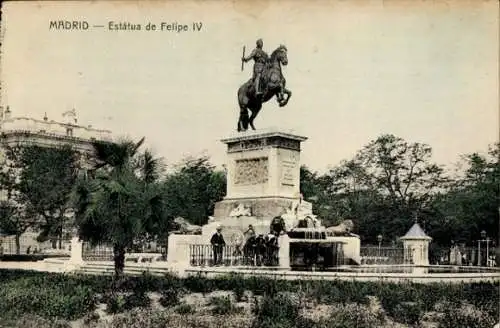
(29, 245)
(99, 252)
(384, 255)
(229, 255)
(104, 252)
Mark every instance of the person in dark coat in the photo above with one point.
(218, 244)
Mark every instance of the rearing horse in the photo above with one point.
(273, 85)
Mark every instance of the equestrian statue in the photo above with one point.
(267, 81)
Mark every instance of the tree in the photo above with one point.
(46, 180)
(15, 216)
(387, 184)
(193, 189)
(473, 201)
(14, 221)
(316, 188)
(309, 183)
(120, 200)
(36, 182)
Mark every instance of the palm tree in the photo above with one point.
(119, 201)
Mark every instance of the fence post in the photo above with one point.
(76, 257)
(284, 252)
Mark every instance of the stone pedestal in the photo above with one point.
(263, 179)
(263, 182)
(76, 257)
(284, 252)
(178, 248)
(263, 164)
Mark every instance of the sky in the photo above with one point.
(424, 71)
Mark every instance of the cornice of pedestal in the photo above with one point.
(263, 133)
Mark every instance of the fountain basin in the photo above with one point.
(397, 274)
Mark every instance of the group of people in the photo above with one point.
(253, 246)
(461, 256)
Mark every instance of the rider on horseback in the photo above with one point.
(260, 58)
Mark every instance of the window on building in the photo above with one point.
(69, 132)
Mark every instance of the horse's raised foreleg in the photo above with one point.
(288, 94)
(279, 97)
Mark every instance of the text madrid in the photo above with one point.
(126, 26)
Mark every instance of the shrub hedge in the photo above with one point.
(72, 296)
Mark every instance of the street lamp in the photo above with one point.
(487, 250)
(483, 239)
(379, 238)
(486, 239)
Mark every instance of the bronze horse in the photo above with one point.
(273, 84)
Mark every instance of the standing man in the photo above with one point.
(260, 58)
(218, 244)
(250, 232)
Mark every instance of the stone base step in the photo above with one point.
(95, 268)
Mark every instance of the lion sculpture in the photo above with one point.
(186, 228)
(345, 227)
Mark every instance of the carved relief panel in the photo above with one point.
(251, 171)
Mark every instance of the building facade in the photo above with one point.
(26, 131)
(22, 130)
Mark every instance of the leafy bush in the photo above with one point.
(120, 302)
(482, 296)
(275, 311)
(353, 315)
(239, 292)
(408, 312)
(172, 282)
(169, 297)
(141, 318)
(52, 301)
(137, 299)
(91, 319)
(71, 296)
(115, 303)
(238, 286)
(198, 284)
(142, 284)
(222, 305)
(391, 298)
(340, 292)
(34, 321)
(303, 322)
(465, 316)
(185, 309)
(145, 318)
(431, 294)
